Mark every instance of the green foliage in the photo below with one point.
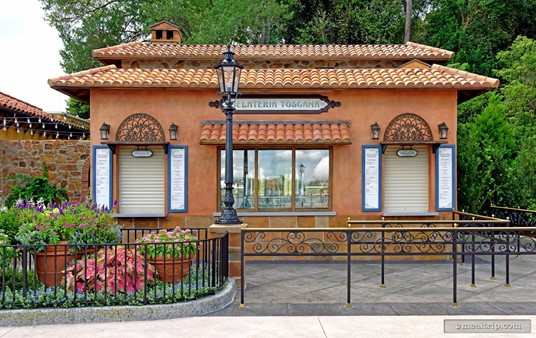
(477, 30)
(35, 189)
(37, 296)
(173, 243)
(79, 223)
(9, 222)
(486, 151)
(518, 69)
(75, 107)
(11, 279)
(347, 22)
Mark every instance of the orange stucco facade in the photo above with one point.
(188, 108)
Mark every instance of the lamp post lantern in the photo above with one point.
(229, 77)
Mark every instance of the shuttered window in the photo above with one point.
(141, 182)
(406, 181)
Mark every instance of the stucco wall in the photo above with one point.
(66, 161)
(188, 108)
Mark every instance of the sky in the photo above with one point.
(29, 55)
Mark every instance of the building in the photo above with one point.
(30, 138)
(23, 121)
(321, 132)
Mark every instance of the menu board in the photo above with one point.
(177, 159)
(102, 179)
(445, 177)
(371, 178)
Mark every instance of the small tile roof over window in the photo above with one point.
(437, 77)
(278, 132)
(141, 50)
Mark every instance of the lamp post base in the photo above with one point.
(228, 216)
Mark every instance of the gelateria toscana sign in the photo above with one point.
(283, 104)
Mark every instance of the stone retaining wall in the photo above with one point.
(67, 161)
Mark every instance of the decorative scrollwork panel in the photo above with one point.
(408, 128)
(140, 127)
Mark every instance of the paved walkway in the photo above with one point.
(308, 300)
(412, 288)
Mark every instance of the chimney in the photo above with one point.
(165, 32)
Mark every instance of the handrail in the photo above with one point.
(514, 209)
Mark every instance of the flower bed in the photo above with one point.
(117, 274)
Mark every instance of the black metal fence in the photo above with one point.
(64, 275)
(380, 239)
(517, 217)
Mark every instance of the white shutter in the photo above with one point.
(406, 181)
(141, 181)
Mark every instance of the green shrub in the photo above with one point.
(35, 189)
(9, 222)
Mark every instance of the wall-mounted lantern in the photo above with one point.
(443, 130)
(375, 131)
(173, 128)
(104, 131)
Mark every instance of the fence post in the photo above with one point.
(348, 268)
(234, 246)
(382, 284)
(454, 268)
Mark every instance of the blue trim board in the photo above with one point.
(94, 174)
(363, 170)
(453, 173)
(185, 192)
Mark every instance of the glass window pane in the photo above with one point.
(312, 179)
(243, 179)
(275, 179)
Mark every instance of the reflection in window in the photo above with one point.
(275, 179)
(243, 176)
(279, 179)
(312, 179)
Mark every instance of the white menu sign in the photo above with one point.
(371, 178)
(445, 178)
(177, 178)
(103, 182)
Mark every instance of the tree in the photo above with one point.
(486, 151)
(477, 29)
(519, 72)
(409, 13)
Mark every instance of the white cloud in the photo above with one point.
(29, 55)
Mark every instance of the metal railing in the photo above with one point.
(517, 217)
(63, 275)
(381, 239)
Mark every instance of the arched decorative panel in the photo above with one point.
(408, 128)
(140, 127)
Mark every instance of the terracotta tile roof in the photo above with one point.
(19, 106)
(141, 50)
(10, 105)
(278, 132)
(436, 77)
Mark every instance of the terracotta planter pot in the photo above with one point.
(171, 270)
(50, 264)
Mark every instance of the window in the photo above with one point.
(279, 179)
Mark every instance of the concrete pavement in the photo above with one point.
(300, 299)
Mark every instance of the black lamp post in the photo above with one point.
(229, 77)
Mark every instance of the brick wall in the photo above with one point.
(67, 161)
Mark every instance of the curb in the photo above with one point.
(51, 316)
